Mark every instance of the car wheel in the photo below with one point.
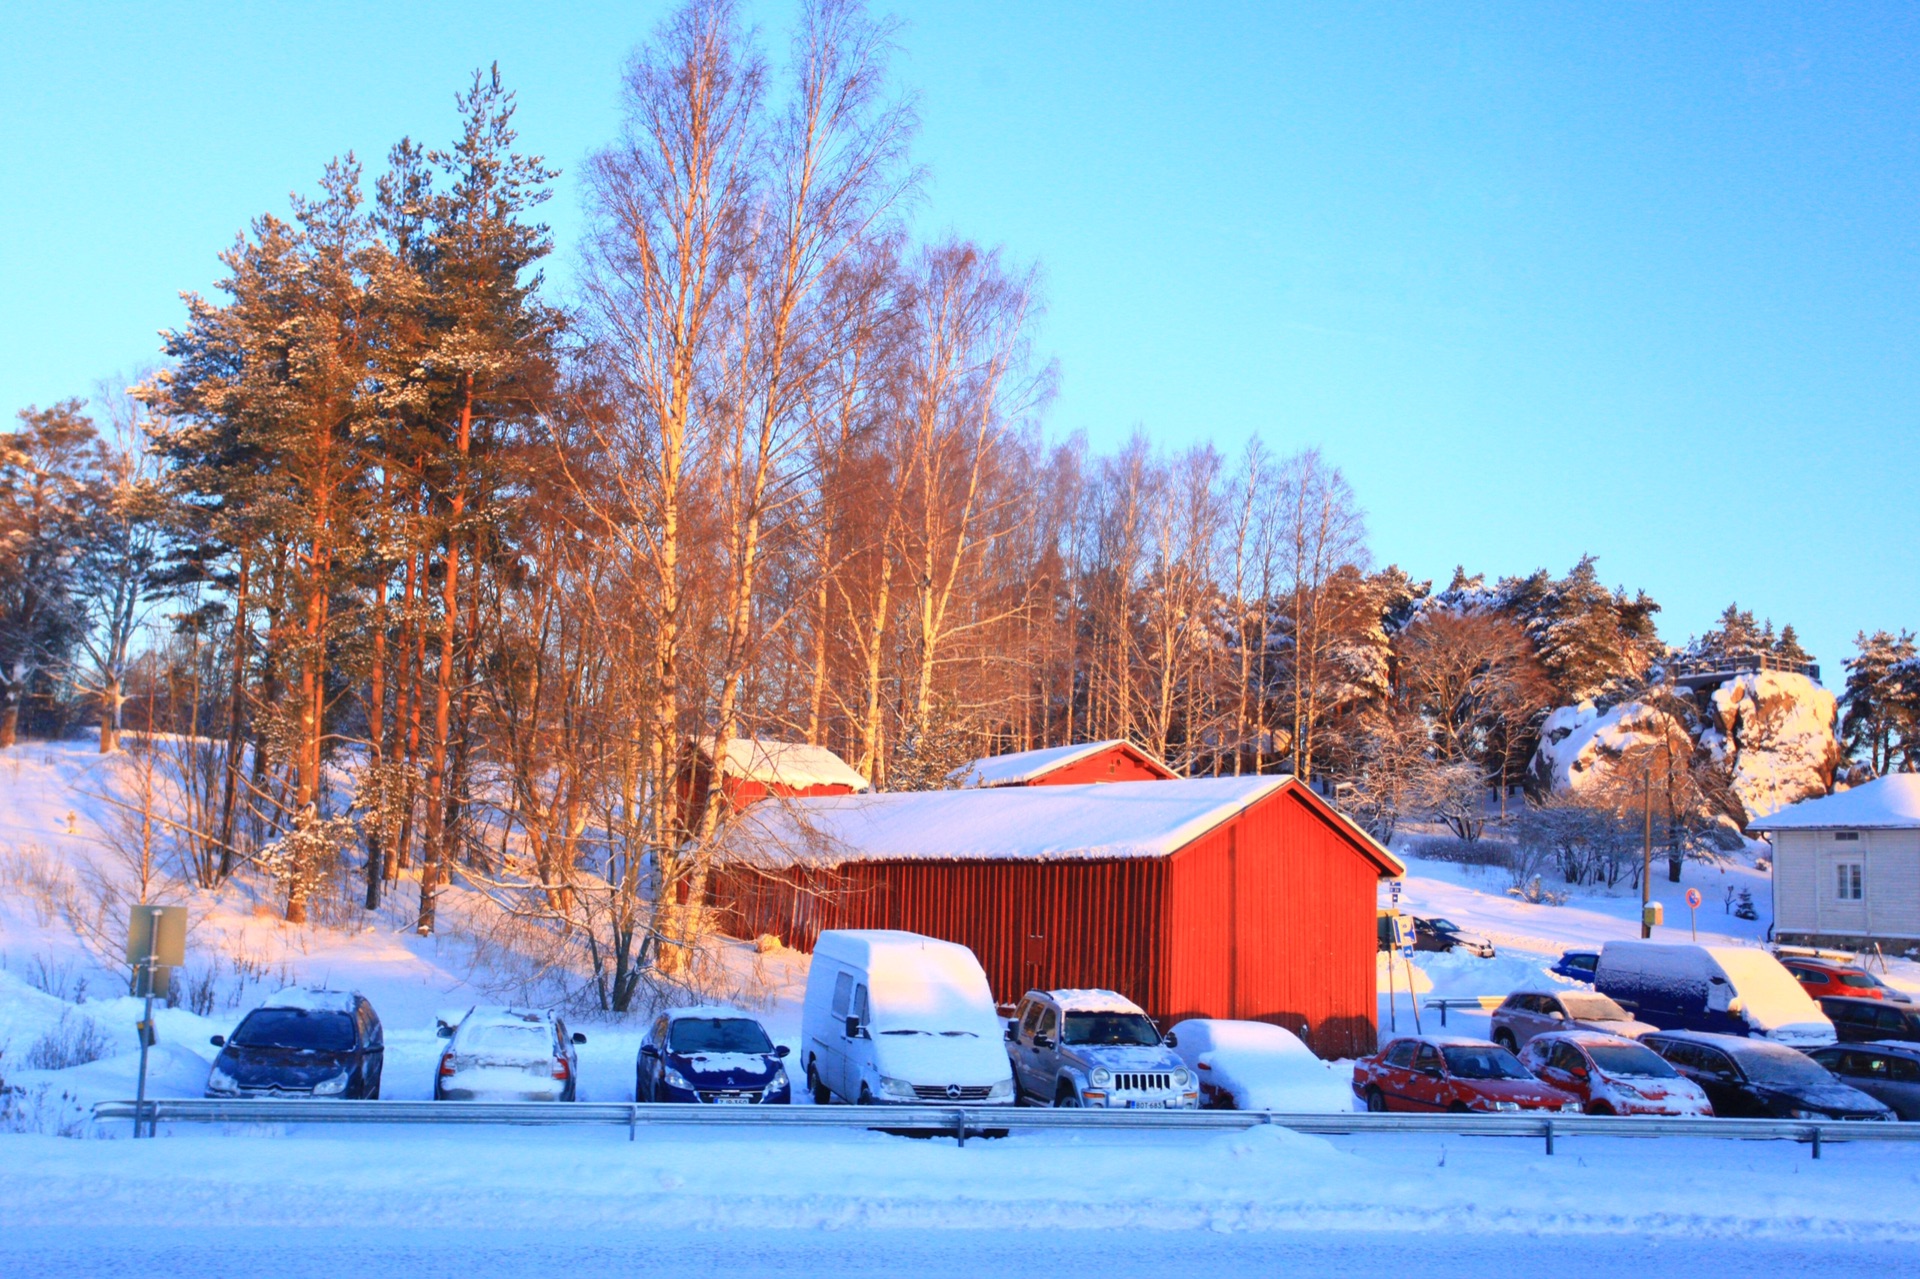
(1506, 1040)
(1376, 1101)
(1459, 1108)
(373, 1093)
(822, 1095)
(866, 1095)
(1599, 1108)
(1068, 1098)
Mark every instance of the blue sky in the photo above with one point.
(1634, 280)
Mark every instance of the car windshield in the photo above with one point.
(1785, 1068)
(1474, 1061)
(509, 1039)
(1110, 1028)
(1634, 1060)
(1860, 980)
(1584, 1007)
(1445, 925)
(719, 1035)
(296, 1028)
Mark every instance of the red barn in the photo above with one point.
(756, 768)
(1245, 897)
(1114, 761)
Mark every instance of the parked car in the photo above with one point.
(1527, 1013)
(1757, 1078)
(507, 1054)
(1726, 990)
(1889, 1073)
(1612, 1075)
(1094, 1048)
(1822, 977)
(897, 1017)
(1860, 1021)
(720, 1056)
(1578, 965)
(1442, 1072)
(302, 1043)
(1254, 1065)
(1444, 934)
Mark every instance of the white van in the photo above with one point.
(897, 1017)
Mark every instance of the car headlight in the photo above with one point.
(1000, 1091)
(779, 1079)
(1506, 1105)
(1569, 1107)
(1794, 1112)
(674, 1079)
(1100, 1077)
(219, 1080)
(898, 1089)
(1182, 1077)
(332, 1087)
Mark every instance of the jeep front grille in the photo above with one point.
(1142, 1081)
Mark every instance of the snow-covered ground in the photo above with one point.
(513, 1201)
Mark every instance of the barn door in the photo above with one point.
(1034, 974)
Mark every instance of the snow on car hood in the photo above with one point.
(1123, 1056)
(725, 1068)
(970, 1060)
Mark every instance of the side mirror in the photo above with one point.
(443, 1030)
(1043, 1041)
(781, 1050)
(218, 1041)
(1736, 1006)
(1581, 1072)
(1013, 1028)
(1557, 1015)
(1172, 1040)
(648, 1050)
(853, 1028)
(579, 1038)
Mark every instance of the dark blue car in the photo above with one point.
(1577, 964)
(302, 1043)
(720, 1056)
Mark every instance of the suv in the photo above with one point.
(1861, 1021)
(1527, 1013)
(1823, 977)
(302, 1043)
(1889, 1073)
(1444, 934)
(1094, 1048)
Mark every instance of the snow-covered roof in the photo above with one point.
(1583, 1037)
(1094, 1001)
(485, 1015)
(1020, 767)
(708, 1011)
(310, 999)
(1890, 802)
(1040, 823)
(1446, 1041)
(793, 764)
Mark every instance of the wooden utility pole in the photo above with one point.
(1646, 850)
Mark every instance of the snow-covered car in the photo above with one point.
(1526, 1013)
(1438, 934)
(1447, 1072)
(508, 1054)
(1094, 1048)
(720, 1056)
(1612, 1075)
(1252, 1065)
(1745, 1076)
(1726, 990)
(302, 1042)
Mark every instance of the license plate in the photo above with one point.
(733, 1101)
(1146, 1105)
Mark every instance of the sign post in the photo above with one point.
(1693, 905)
(156, 945)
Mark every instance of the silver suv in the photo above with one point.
(1094, 1048)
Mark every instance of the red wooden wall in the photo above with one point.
(1268, 917)
(1114, 764)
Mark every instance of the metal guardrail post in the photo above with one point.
(1816, 1141)
(1549, 1128)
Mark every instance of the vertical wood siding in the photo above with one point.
(1115, 764)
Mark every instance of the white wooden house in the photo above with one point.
(1846, 867)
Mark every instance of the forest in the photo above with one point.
(413, 568)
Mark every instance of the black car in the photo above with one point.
(1861, 1021)
(1886, 1072)
(1444, 934)
(301, 1043)
(1759, 1079)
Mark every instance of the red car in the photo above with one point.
(1442, 1072)
(1613, 1075)
(1820, 977)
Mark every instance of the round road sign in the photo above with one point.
(1693, 898)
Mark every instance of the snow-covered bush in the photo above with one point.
(73, 1041)
(1460, 852)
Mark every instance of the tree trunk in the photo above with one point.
(433, 857)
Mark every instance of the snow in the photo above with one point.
(1777, 726)
(793, 764)
(310, 999)
(1019, 767)
(710, 1012)
(1043, 823)
(1890, 802)
(917, 983)
(1577, 742)
(1771, 1000)
(1094, 1001)
(1262, 1067)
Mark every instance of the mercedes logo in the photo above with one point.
(953, 1092)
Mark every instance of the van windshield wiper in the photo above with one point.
(949, 1033)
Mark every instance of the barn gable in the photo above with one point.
(1110, 761)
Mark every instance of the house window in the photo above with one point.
(1847, 881)
(1852, 836)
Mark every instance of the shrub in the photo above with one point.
(1460, 852)
(73, 1041)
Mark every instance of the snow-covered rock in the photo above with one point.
(1579, 744)
(1776, 728)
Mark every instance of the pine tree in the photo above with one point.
(1787, 651)
(1879, 724)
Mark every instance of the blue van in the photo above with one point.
(1720, 990)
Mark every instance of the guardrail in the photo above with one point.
(1480, 1003)
(962, 1122)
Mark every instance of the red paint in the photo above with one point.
(1267, 917)
(693, 782)
(1117, 763)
